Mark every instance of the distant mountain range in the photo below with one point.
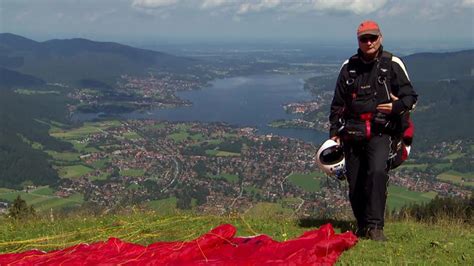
(73, 60)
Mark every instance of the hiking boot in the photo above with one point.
(361, 232)
(376, 235)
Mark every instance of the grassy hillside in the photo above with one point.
(445, 243)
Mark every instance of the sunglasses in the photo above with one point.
(367, 38)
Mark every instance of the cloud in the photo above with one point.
(358, 7)
(242, 7)
(257, 6)
(23, 15)
(467, 3)
(426, 10)
(213, 3)
(153, 4)
(95, 16)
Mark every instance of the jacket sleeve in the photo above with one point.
(402, 88)
(337, 104)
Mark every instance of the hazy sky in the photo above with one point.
(408, 22)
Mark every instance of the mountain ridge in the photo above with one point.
(70, 60)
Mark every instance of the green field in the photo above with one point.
(179, 136)
(455, 155)
(183, 135)
(64, 156)
(5, 190)
(131, 135)
(164, 206)
(33, 92)
(82, 147)
(442, 166)
(100, 164)
(82, 132)
(458, 178)
(42, 199)
(102, 176)
(221, 153)
(45, 190)
(419, 166)
(310, 182)
(252, 189)
(132, 172)
(268, 210)
(74, 171)
(229, 177)
(400, 196)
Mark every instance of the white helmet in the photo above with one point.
(330, 159)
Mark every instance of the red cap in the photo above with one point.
(368, 27)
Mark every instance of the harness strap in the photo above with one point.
(383, 72)
(367, 118)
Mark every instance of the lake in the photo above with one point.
(243, 101)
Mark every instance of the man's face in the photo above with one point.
(369, 44)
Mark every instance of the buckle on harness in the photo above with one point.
(350, 81)
(381, 80)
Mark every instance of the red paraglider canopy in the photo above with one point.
(217, 247)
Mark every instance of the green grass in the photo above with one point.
(179, 136)
(46, 191)
(64, 156)
(164, 206)
(156, 126)
(219, 153)
(455, 155)
(5, 190)
(253, 189)
(74, 171)
(28, 197)
(458, 178)
(310, 182)
(132, 172)
(84, 131)
(410, 243)
(420, 166)
(100, 164)
(229, 177)
(131, 135)
(83, 148)
(442, 166)
(400, 196)
(268, 210)
(33, 92)
(42, 199)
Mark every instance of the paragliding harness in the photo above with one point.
(400, 128)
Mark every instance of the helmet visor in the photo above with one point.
(331, 155)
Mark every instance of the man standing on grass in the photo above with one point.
(372, 93)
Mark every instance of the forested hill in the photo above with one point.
(445, 84)
(76, 59)
(437, 66)
(10, 78)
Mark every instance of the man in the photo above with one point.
(372, 93)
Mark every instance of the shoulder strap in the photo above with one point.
(384, 72)
(384, 66)
(352, 70)
(351, 66)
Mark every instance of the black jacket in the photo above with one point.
(367, 74)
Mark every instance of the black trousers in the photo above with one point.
(367, 174)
